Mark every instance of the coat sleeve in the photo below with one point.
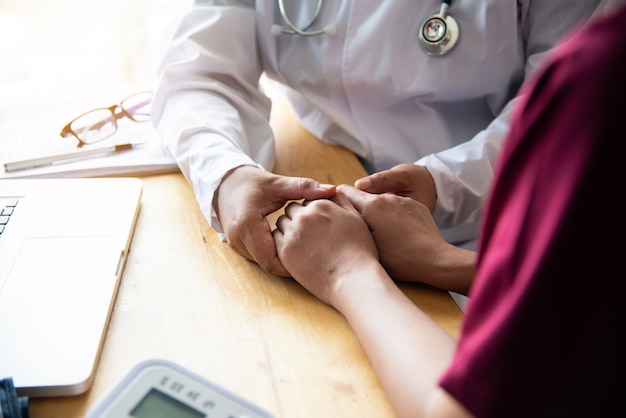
(208, 107)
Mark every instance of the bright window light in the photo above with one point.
(76, 47)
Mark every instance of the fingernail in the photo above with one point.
(363, 184)
(326, 186)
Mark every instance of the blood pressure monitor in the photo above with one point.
(162, 389)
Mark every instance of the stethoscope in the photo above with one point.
(437, 35)
(439, 32)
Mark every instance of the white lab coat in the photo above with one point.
(369, 87)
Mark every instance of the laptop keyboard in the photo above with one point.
(7, 209)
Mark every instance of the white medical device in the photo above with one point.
(162, 389)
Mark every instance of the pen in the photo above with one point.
(65, 158)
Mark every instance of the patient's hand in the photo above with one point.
(323, 242)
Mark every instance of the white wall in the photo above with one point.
(75, 47)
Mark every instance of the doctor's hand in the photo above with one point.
(409, 243)
(408, 180)
(243, 200)
(324, 244)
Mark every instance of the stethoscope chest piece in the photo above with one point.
(439, 33)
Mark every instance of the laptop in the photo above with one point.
(63, 247)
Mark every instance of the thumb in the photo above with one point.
(393, 180)
(358, 198)
(381, 182)
(295, 188)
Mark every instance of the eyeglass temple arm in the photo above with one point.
(67, 131)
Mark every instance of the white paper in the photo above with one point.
(32, 131)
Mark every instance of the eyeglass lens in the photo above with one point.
(138, 106)
(100, 124)
(95, 126)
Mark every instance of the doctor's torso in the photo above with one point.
(371, 86)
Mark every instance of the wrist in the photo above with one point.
(231, 179)
(456, 270)
(361, 285)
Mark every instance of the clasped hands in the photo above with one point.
(386, 218)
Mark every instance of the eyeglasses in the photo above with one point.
(99, 124)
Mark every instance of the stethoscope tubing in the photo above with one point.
(294, 28)
(437, 35)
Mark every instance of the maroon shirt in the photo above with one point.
(542, 336)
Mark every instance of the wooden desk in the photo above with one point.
(185, 296)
